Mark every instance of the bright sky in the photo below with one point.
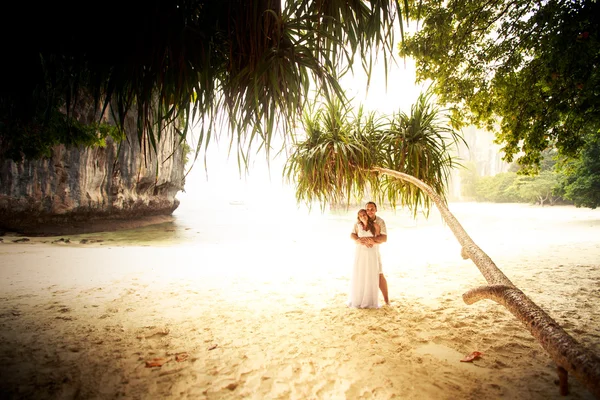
(401, 91)
(223, 179)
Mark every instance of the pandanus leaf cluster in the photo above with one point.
(335, 158)
(250, 64)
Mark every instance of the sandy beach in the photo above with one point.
(202, 313)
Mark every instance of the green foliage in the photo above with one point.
(520, 185)
(540, 188)
(194, 61)
(526, 70)
(468, 180)
(500, 188)
(187, 149)
(37, 140)
(581, 183)
(333, 162)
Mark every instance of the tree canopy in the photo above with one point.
(527, 70)
(343, 153)
(252, 61)
(581, 181)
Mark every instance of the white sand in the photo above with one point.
(264, 316)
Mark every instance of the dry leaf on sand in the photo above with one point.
(473, 356)
(156, 362)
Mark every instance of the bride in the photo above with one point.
(364, 284)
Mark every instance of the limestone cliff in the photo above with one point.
(83, 189)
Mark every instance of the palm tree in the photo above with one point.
(253, 61)
(405, 159)
(341, 149)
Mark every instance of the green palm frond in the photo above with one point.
(330, 164)
(419, 145)
(253, 61)
(336, 160)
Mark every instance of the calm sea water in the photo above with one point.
(258, 217)
(277, 221)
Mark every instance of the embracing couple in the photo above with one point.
(367, 275)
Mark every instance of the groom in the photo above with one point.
(371, 208)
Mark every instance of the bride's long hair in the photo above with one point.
(370, 223)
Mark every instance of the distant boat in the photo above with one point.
(237, 203)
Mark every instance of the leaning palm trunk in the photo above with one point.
(567, 353)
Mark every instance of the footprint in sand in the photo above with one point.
(152, 332)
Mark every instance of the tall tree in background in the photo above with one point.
(581, 181)
(527, 70)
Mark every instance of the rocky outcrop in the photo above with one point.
(85, 189)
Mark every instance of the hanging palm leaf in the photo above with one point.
(335, 161)
(418, 144)
(197, 60)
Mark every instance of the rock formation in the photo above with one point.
(82, 189)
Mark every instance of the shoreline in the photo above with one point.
(91, 226)
(266, 318)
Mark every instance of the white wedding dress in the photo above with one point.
(364, 284)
